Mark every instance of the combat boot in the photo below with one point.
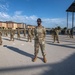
(30, 40)
(58, 42)
(34, 59)
(1, 43)
(44, 59)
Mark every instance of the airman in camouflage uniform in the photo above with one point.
(0, 38)
(29, 35)
(52, 32)
(12, 32)
(68, 32)
(39, 40)
(24, 32)
(71, 33)
(32, 32)
(18, 33)
(5, 32)
(55, 35)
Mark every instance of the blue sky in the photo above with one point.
(52, 12)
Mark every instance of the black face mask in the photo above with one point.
(39, 23)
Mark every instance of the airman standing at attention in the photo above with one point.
(68, 32)
(12, 32)
(55, 35)
(52, 32)
(29, 35)
(39, 40)
(71, 33)
(24, 32)
(6, 32)
(32, 32)
(18, 33)
(0, 38)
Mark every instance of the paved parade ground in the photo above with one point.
(16, 57)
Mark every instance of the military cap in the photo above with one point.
(39, 20)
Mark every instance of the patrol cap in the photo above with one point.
(39, 20)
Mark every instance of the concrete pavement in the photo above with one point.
(16, 57)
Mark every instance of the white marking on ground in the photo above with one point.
(22, 44)
(13, 43)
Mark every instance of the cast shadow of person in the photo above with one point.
(62, 45)
(19, 39)
(19, 51)
(5, 39)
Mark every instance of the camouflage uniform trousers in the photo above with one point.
(30, 38)
(40, 44)
(71, 36)
(11, 37)
(18, 36)
(24, 34)
(33, 36)
(0, 40)
(5, 33)
(56, 38)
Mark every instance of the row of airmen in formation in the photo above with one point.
(12, 32)
(38, 34)
(30, 34)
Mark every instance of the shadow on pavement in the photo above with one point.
(67, 41)
(6, 39)
(15, 39)
(21, 40)
(19, 51)
(62, 45)
(65, 67)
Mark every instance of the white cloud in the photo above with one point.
(53, 22)
(19, 17)
(18, 12)
(4, 16)
(4, 5)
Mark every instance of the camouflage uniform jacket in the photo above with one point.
(40, 33)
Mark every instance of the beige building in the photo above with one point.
(3, 24)
(20, 25)
(30, 26)
(11, 25)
